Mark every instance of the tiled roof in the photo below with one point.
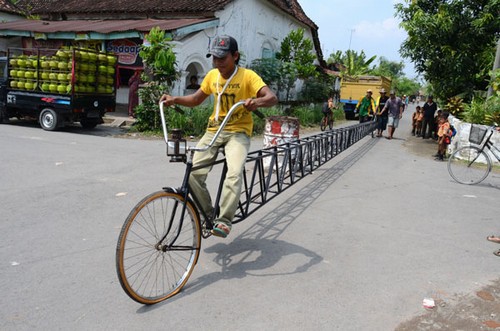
(7, 7)
(99, 26)
(158, 9)
(196, 8)
(293, 8)
(200, 8)
(29, 6)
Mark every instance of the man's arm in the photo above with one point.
(191, 100)
(265, 98)
(385, 106)
(359, 103)
(373, 104)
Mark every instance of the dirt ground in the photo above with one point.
(474, 311)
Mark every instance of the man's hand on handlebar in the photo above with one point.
(167, 100)
(251, 104)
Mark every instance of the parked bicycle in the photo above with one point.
(471, 164)
(160, 241)
(327, 121)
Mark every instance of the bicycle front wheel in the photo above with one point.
(158, 247)
(469, 165)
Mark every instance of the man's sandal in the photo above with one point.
(493, 239)
(220, 230)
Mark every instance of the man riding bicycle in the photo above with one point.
(327, 109)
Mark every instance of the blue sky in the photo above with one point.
(367, 25)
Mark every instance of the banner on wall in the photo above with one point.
(39, 43)
(127, 51)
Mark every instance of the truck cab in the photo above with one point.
(352, 89)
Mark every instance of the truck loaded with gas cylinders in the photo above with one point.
(57, 87)
(352, 89)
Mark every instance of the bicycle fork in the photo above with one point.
(167, 246)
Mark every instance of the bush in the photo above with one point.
(193, 121)
(481, 111)
(455, 106)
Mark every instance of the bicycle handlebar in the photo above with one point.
(221, 127)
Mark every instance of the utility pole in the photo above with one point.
(350, 39)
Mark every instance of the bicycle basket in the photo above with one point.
(477, 134)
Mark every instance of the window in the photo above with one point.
(267, 53)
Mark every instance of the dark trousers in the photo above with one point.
(427, 122)
(365, 118)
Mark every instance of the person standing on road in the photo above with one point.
(429, 110)
(444, 136)
(382, 117)
(394, 106)
(366, 107)
(133, 96)
(228, 83)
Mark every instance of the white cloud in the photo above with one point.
(381, 30)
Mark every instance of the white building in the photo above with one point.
(8, 13)
(259, 26)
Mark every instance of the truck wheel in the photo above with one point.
(49, 120)
(88, 123)
(3, 116)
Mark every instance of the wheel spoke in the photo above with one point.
(469, 165)
(148, 271)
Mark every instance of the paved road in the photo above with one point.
(355, 246)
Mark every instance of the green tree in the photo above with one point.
(297, 50)
(268, 69)
(405, 85)
(318, 88)
(451, 42)
(388, 68)
(160, 74)
(351, 63)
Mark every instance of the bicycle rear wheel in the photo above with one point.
(330, 123)
(469, 165)
(150, 269)
(323, 123)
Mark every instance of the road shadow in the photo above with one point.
(75, 128)
(257, 249)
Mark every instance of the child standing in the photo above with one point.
(444, 135)
(420, 118)
(414, 121)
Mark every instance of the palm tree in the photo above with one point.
(352, 64)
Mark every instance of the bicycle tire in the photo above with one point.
(150, 273)
(322, 125)
(469, 165)
(330, 123)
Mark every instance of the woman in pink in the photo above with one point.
(133, 97)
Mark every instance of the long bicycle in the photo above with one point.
(159, 243)
(471, 164)
(327, 121)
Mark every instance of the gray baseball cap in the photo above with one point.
(222, 45)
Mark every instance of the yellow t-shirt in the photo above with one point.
(245, 84)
